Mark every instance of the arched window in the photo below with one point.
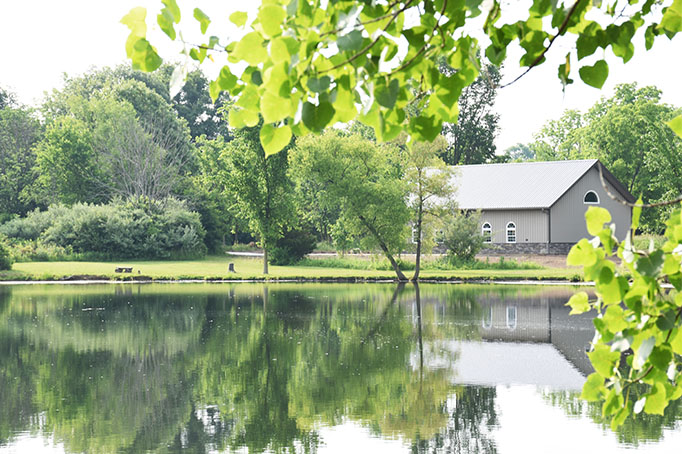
(591, 198)
(487, 233)
(511, 233)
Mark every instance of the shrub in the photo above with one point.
(292, 247)
(462, 238)
(137, 228)
(5, 257)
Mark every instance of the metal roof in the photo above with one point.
(521, 185)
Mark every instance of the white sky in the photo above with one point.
(42, 39)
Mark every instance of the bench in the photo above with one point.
(124, 269)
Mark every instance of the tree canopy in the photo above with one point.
(310, 64)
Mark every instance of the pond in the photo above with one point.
(127, 368)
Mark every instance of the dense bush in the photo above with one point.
(5, 257)
(138, 228)
(462, 238)
(292, 247)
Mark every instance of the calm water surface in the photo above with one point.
(206, 368)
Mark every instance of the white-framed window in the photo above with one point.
(511, 232)
(591, 198)
(511, 317)
(414, 234)
(487, 232)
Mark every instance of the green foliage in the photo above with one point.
(361, 178)
(134, 229)
(259, 186)
(637, 314)
(292, 247)
(471, 138)
(462, 238)
(5, 255)
(628, 134)
(19, 131)
(316, 58)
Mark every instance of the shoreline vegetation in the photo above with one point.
(215, 268)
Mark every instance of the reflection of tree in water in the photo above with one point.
(643, 428)
(224, 370)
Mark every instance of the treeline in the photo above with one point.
(95, 168)
(628, 134)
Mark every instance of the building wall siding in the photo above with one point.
(568, 213)
(531, 225)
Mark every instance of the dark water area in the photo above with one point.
(204, 368)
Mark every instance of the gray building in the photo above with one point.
(539, 207)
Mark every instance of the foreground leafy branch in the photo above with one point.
(638, 338)
(312, 64)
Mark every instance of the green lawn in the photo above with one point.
(216, 267)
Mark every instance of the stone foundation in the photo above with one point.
(527, 248)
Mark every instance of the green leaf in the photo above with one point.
(660, 357)
(603, 359)
(676, 125)
(203, 19)
(650, 265)
(579, 303)
(594, 388)
(165, 21)
(271, 18)
(240, 118)
(238, 18)
(350, 41)
(643, 352)
(144, 56)
(672, 19)
(615, 318)
(636, 213)
(612, 288)
(386, 95)
(250, 49)
(316, 118)
(135, 21)
(613, 403)
(273, 108)
(168, 16)
(656, 400)
(676, 342)
(319, 85)
(666, 321)
(596, 74)
(274, 139)
(582, 254)
(596, 217)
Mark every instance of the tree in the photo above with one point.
(520, 152)
(626, 132)
(65, 163)
(319, 57)
(364, 180)
(259, 184)
(463, 239)
(19, 131)
(472, 138)
(431, 188)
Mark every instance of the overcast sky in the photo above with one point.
(43, 39)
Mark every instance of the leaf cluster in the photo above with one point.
(311, 64)
(638, 338)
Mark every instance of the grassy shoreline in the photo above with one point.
(248, 269)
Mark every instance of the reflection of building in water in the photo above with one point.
(525, 339)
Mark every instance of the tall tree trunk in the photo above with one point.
(265, 259)
(384, 248)
(419, 241)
